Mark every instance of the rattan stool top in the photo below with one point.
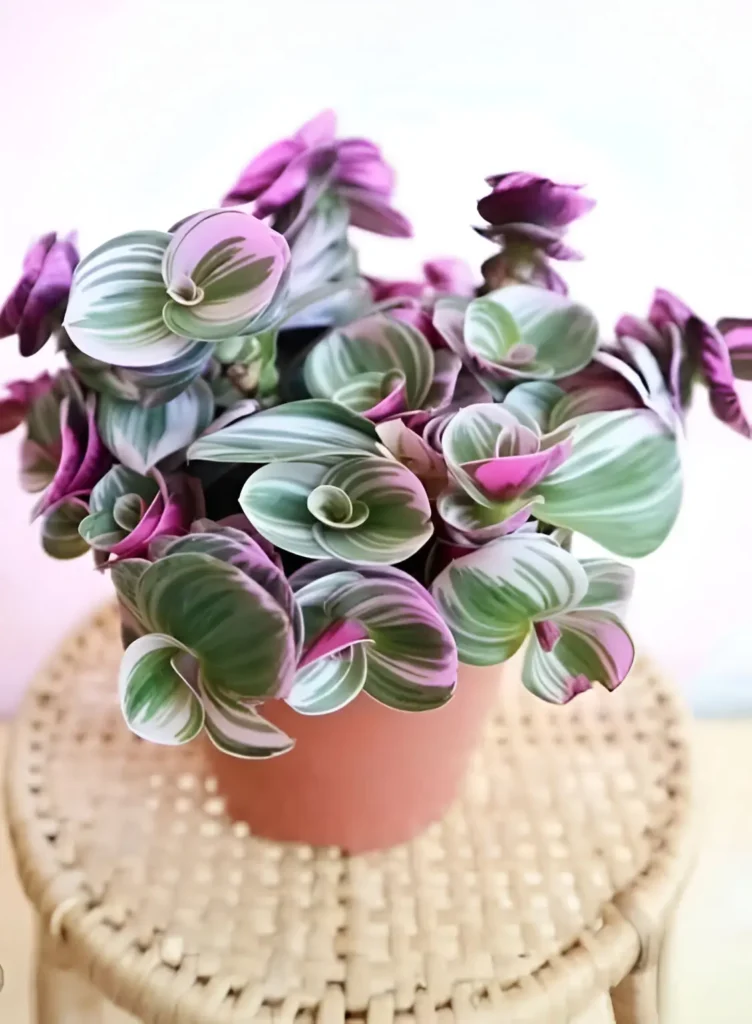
(545, 885)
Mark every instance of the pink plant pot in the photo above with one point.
(364, 778)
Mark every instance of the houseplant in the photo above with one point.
(331, 505)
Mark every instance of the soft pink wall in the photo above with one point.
(132, 113)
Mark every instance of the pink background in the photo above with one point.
(134, 113)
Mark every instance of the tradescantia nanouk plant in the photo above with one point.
(310, 484)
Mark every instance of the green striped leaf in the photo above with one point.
(297, 430)
(533, 402)
(610, 584)
(141, 438)
(325, 286)
(490, 597)
(60, 536)
(114, 312)
(147, 385)
(361, 509)
(449, 320)
(592, 647)
(330, 683)
(358, 365)
(236, 727)
(157, 701)
(102, 528)
(236, 548)
(621, 485)
(126, 574)
(490, 330)
(212, 609)
(410, 656)
(554, 335)
(480, 523)
(275, 500)
(221, 270)
(412, 659)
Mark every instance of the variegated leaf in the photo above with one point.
(221, 269)
(622, 484)
(236, 727)
(532, 403)
(554, 336)
(329, 683)
(413, 451)
(141, 438)
(101, 528)
(449, 320)
(212, 609)
(390, 621)
(610, 584)
(297, 430)
(380, 349)
(115, 307)
(592, 647)
(126, 575)
(490, 597)
(60, 536)
(275, 500)
(147, 385)
(495, 458)
(325, 287)
(361, 509)
(412, 658)
(490, 331)
(239, 549)
(157, 702)
(477, 523)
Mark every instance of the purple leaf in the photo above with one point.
(313, 159)
(34, 308)
(547, 633)
(738, 336)
(510, 476)
(373, 213)
(336, 637)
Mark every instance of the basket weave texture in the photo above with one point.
(546, 885)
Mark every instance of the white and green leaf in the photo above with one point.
(481, 523)
(275, 500)
(157, 701)
(297, 430)
(360, 509)
(377, 348)
(221, 269)
(238, 549)
(592, 647)
(397, 519)
(114, 312)
(490, 331)
(242, 638)
(126, 574)
(60, 536)
(490, 597)
(610, 585)
(330, 683)
(392, 624)
(621, 485)
(555, 336)
(532, 402)
(141, 438)
(236, 727)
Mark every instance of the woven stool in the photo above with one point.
(542, 897)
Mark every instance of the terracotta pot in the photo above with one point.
(363, 778)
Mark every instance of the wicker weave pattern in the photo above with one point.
(545, 884)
